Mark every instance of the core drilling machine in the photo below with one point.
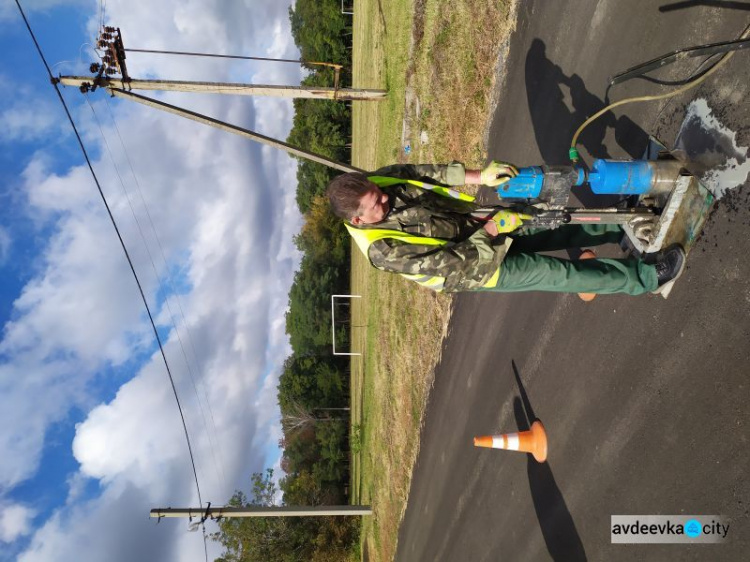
(662, 203)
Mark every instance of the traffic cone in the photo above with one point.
(533, 441)
(587, 255)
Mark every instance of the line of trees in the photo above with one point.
(313, 390)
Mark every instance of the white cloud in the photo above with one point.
(204, 26)
(220, 211)
(5, 244)
(27, 122)
(29, 113)
(111, 442)
(114, 526)
(15, 521)
(225, 213)
(32, 396)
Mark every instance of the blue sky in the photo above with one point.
(91, 437)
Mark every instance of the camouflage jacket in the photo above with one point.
(471, 257)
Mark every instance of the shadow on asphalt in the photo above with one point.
(558, 529)
(550, 94)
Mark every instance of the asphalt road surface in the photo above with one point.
(645, 400)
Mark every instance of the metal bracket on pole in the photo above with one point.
(336, 78)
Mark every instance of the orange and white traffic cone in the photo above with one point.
(587, 255)
(533, 441)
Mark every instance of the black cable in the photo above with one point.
(682, 81)
(239, 57)
(185, 53)
(153, 265)
(124, 249)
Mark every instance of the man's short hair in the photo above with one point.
(345, 192)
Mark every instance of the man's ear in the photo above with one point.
(355, 220)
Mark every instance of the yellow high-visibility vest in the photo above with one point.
(450, 193)
(364, 237)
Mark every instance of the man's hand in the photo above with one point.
(497, 173)
(491, 228)
(507, 220)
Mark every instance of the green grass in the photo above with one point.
(397, 325)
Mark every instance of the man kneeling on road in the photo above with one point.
(406, 220)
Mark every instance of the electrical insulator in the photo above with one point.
(102, 43)
(110, 71)
(108, 59)
(94, 67)
(107, 36)
(109, 29)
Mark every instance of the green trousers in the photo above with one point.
(523, 269)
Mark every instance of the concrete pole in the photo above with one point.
(275, 511)
(227, 88)
(294, 151)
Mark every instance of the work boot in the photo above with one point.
(670, 265)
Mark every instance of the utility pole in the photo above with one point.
(341, 94)
(113, 62)
(332, 409)
(275, 511)
(228, 127)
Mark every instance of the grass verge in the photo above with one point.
(437, 60)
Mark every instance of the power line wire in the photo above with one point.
(102, 12)
(239, 57)
(124, 249)
(191, 54)
(174, 291)
(217, 465)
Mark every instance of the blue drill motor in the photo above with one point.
(607, 177)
